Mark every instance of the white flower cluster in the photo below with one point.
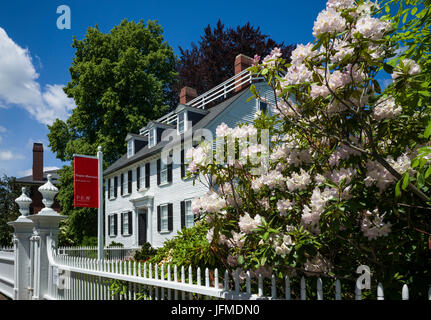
(371, 28)
(247, 224)
(311, 214)
(373, 226)
(210, 202)
(298, 181)
(272, 179)
(199, 156)
(342, 49)
(297, 74)
(340, 4)
(343, 152)
(282, 244)
(269, 60)
(342, 174)
(302, 52)
(411, 68)
(386, 108)
(283, 205)
(328, 20)
(376, 173)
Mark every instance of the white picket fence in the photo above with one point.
(75, 278)
(7, 266)
(109, 253)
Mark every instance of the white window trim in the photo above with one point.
(152, 143)
(125, 231)
(112, 191)
(185, 208)
(112, 226)
(126, 183)
(185, 121)
(167, 218)
(258, 105)
(142, 178)
(163, 182)
(130, 148)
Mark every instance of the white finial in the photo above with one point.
(23, 202)
(48, 191)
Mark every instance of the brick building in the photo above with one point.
(38, 178)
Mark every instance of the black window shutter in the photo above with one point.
(121, 185)
(170, 168)
(158, 171)
(129, 217)
(109, 225)
(183, 214)
(115, 224)
(183, 166)
(147, 175)
(129, 181)
(158, 219)
(109, 188)
(115, 186)
(138, 177)
(122, 223)
(170, 217)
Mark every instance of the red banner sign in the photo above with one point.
(86, 182)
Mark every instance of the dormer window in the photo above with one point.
(263, 107)
(130, 148)
(181, 122)
(152, 138)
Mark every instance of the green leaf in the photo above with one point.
(406, 180)
(427, 132)
(398, 189)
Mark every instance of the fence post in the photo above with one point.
(21, 239)
(46, 229)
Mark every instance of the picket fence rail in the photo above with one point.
(7, 267)
(109, 253)
(77, 278)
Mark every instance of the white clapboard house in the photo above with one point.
(148, 200)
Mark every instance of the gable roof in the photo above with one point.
(29, 179)
(146, 152)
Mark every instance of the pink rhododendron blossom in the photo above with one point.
(386, 108)
(283, 205)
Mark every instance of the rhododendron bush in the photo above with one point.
(335, 187)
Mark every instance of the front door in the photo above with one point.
(142, 226)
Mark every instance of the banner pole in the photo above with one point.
(100, 236)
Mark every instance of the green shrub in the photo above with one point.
(189, 247)
(115, 244)
(146, 252)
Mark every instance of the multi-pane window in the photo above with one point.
(130, 148)
(125, 183)
(189, 213)
(112, 225)
(125, 223)
(152, 138)
(163, 172)
(142, 177)
(112, 188)
(181, 122)
(164, 217)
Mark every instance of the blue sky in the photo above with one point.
(35, 55)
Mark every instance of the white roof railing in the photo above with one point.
(215, 93)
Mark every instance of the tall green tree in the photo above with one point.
(8, 209)
(119, 81)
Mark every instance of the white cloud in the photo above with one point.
(2, 129)
(29, 172)
(19, 85)
(8, 155)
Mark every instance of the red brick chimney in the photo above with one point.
(242, 62)
(187, 94)
(37, 162)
